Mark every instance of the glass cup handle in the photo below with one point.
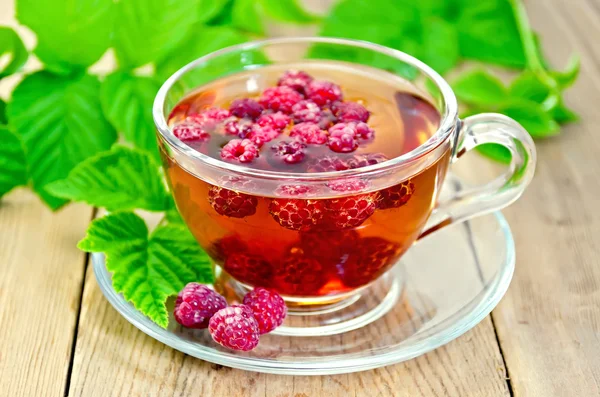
(500, 192)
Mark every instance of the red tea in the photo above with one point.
(331, 117)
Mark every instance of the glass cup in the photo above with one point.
(326, 270)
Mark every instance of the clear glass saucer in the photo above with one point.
(442, 287)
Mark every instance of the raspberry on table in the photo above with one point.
(196, 304)
(350, 111)
(246, 108)
(230, 203)
(342, 138)
(364, 160)
(306, 111)
(191, 131)
(238, 128)
(327, 164)
(296, 80)
(242, 150)
(280, 98)
(299, 274)
(290, 152)
(297, 214)
(349, 212)
(262, 134)
(323, 92)
(235, 328)
(371, 257)
(268, 308)
(363, 131)
(397, 195)
(248, 268)
(277, 120)
(309, 133)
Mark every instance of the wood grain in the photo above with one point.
(41, 275)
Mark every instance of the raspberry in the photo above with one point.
(327, 119)
(268, 308)
(246, 108)
(277, 121)
(237, 182)
(230, 203)
(327, 164)
(295, 190)
(238, 127)
(279, 98)
(309, 133)
(242, 150)
(225, 246)
(350, 111)
(329, 248)
(196, 304)
(371, 257)
(297, 214)
(261, 135)
(363, 131)
(190, 131)
(364, 160)
(342, 138)
(299, 274)
(397, 195)
(295, 79)
(348, 185)
(290, 152)
(249, 269)
(211, 115)
(323, 92)
(234, 328)
(306, 111)
(348, 212)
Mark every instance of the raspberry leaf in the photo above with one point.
(3, 119)
(147, 30)
(60, 122)
(119, 179)
(287, 11)
(444, 54)
(127, 102)
(209, 10)
(147, 268)
(479, 87)
(496, 152)
(531, 116)
(246, 16)
(70, 34)
(12, 47)
(13, 169)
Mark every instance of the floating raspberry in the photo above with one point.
(372, 256)
(238, 127)
(342, 138)
(329, 248)
(295, 79)
(211, 115)
(230, 203)
(277, 121)
(242, 150)
(234, 328)
(397, 195)
(268, 308)
(327, 119)
(348, 185)
(306, 111)
(298, 274)
(363, 131)
(348, 212)
(246, 108)
(248, 268)
(297, 214)
(309, 133)
(261, 135)
(196, 304)
(350, 111)
(364, 160)
(280, 98)
(327, 164)
(323, 92)
(290, 152)
(237, 182)
(190, 131)
(225, 246)
(296, 190)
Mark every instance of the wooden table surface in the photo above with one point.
(59, 336)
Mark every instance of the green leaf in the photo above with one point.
(210, 9)
(567, 78)
(3, 119)
(479, 87)
(528, 86)
(488, 32)
(60, 122)
(13, 167)
(70, 34)
(127, 102)
(562, 114)
(147, 30)
(531, 116)
(246, 16)
(496, 152)
(13, 49)
(147, 269)
(120, 179)
(287, 11)
(440, 45)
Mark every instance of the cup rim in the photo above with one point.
(448, 120)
